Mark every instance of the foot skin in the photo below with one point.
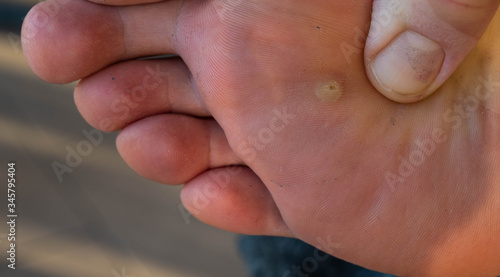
(274, 127)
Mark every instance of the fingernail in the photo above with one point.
(408, 65)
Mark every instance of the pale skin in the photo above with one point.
(411, 190)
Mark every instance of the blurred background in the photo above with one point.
(102, 219)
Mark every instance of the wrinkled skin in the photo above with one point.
(269, 86)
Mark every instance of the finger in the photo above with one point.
(65, 41)
(414, 46)
(124, 2)
(234, 199)
(126, 92)
(173, 149)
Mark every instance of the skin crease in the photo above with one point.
(336, 173)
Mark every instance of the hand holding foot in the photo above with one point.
(403, 189)
(414, 46)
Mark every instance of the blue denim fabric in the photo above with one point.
(12, 15)
(286, 257)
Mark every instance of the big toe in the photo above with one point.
(65, 40)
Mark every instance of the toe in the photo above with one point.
(129, 91)
(65, 41)
(173, 149)
(413, 46)
(234, 199)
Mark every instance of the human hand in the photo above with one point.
(414, 46)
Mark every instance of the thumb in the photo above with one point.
(414, 46)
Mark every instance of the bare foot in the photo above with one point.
(403, 189)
